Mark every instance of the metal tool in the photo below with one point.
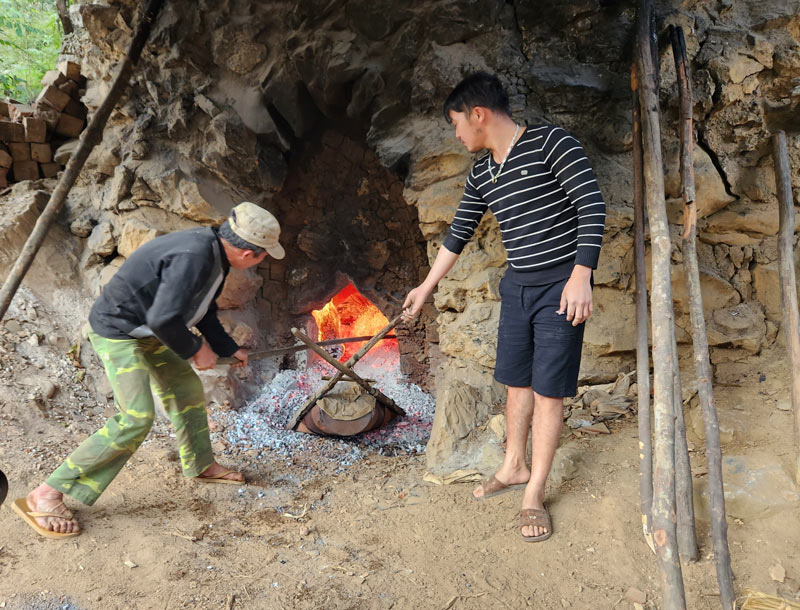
(296, 348)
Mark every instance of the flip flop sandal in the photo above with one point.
(537, 517)
(495, 487)
(20, 506)
(220, 478)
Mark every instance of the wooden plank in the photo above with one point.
(71, 70)
(50, 170)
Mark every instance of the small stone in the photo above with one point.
(783, 405)
(636, 596)
(130, 564)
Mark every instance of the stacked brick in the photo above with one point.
(30, 134)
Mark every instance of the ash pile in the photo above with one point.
(259, 428)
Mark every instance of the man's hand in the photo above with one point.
(204, 358)
(241, 355)
(414, 302)
(576, 298)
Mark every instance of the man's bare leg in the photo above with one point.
(519, 411)
(45, 499)
(548, 418)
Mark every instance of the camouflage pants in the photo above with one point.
(133, 366)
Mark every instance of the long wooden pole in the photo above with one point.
(644, 414)
(663, 511)
(719, 523)
(91, 136)
(791, 318)
(349, 373)
(684, 496)
(301, 413)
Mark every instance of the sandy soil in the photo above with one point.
(374, 535)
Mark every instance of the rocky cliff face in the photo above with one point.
(237, 99)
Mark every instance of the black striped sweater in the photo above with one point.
(547, 202)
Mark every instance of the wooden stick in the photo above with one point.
(719, 523)
(791, 318)
(663, 511)
(91, 136)
(345, 370)
(280, 351)
(684, 497)
(642, 345)
(301, 413)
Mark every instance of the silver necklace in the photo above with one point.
(508, 152)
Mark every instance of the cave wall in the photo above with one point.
(234, 98)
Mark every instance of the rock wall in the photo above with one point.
(229, 94)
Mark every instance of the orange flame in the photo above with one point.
(348, 314)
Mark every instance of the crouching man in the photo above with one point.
(140, 329)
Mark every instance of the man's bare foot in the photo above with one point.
(533, 498)
(45, 499)
(507, 475)
(220, 472)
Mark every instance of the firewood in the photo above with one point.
(71, 70)
(76, 109)
(17, 112)
(35, 129)
(41, 153)
(48, 114)
(49, 170)
(3, 109)
(25, 170)
(70, 87)
(69, 126)
(20, 151)
(5, 159)
(53, 77)
(11, 132)
(3, 177)
(88, 141)
(54, 96)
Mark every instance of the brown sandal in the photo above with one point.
(538, 517)
(494, 487)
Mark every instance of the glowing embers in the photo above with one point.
(348, 314)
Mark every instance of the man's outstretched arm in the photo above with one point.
(417, 297)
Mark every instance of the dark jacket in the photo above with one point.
(166, 287)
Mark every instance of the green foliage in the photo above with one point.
(30, 38)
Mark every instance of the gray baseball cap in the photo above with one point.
(256, 225)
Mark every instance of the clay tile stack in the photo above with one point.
(29, 134)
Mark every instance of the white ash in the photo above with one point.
(261, 424)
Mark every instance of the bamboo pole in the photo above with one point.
(301, 413)
(663, 511)
(719, 524)
(644, 413)
(791, 318)
(346, 371)
(91, 136)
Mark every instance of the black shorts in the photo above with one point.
(537, 347)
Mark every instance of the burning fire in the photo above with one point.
(348, 314)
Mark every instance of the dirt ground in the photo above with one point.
(373, 535)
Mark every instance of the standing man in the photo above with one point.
(141, 331)
(542, 190)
